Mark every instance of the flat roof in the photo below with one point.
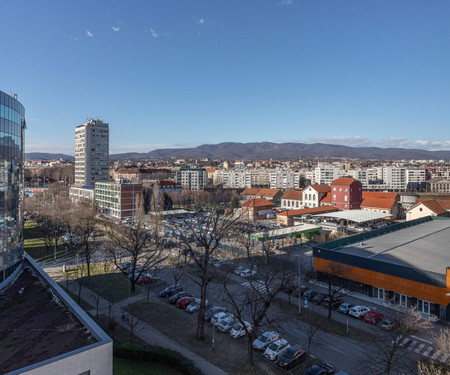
(357, 216)
(424, 246)
(286, 232)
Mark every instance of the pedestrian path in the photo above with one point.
(258, 285)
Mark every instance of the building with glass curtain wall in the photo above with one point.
(12, 131)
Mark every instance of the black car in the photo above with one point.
(335, 303)
(309, 294)
(177, 296)
(322, 369)
(318, 299)
(170, 290)
(292, 357)
(212, 311)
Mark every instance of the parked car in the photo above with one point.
(344, 307)
(292, 357)
(123, 266)
(334, 304)
(302, 289)
(225, 325)
(318, 299)
(322, 369)
(170, 290)
(219, 316)
(184, 302)
(358, 311)
(388, 324)
(137, 271)
(309, 294)
(212, 311)
(238, 329)
(275, 349)
(263, 341)
(195, 305)
(238, 270)
(174, 299)
(373, 317)
(146, 278)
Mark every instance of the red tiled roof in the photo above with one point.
(445, 203)
(210, 170)
(169, 183)
(322, 188)
(299, 189)
(344, 181)
(379, 194)
(306, 211)
(257, 202)
(268, 193)
(434, 206)
(378, 203)
(293, 194)
(326, 198)
(250, 191)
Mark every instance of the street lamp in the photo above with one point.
(299, 285)
(54, 256)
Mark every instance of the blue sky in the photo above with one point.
(175, 73)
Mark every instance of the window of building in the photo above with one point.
(345, 197)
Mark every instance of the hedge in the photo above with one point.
(156, 354)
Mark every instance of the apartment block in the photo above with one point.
(91, 153)
(192, 179)
(118, 200)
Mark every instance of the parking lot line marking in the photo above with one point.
(418, 338)
(419, 348)
(403, 342)
(340, 351)
(435, 355)
(413, 344)
(427, 352)
(444, 358)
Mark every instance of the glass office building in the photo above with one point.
(12, 130)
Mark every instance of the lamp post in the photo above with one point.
(299, 285)
(54, 256)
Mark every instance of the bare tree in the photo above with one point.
(201, 240)
(392, 354)
(131, 319)
(309, 326)
(134, 242)
(255, 300)
(331, 276)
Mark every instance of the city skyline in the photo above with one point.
(176, 75)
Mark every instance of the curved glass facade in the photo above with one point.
(12, 130)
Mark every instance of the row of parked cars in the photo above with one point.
(180, 298)
(356, 311)
(144, 278)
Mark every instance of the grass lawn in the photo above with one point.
(127, 367)
(37, 250)
(31, 230)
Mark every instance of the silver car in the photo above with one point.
(263, 341)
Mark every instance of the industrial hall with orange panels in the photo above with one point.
(403, 265)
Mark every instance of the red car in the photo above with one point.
(146, 279)
(373, 317)
(184, 302)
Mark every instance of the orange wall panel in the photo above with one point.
(411, 288)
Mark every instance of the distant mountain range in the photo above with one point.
(47, 156)
(283, 151)
(268, 150)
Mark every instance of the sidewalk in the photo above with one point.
(149, 334)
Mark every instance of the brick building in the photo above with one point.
(346, 194)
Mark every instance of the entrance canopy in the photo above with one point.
(357, 216)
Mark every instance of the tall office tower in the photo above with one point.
(91, 153)
(12, 130)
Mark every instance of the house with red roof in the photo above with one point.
(287, 217)
(272, 195)
(346, 194)
(429, 207)
(313, 194)
(257, 209)
(384, 205)
(292, 199)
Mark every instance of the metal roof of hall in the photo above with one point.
(424, 246)
(357, 216)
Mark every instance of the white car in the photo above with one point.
(275, 349)
(239, 331)
(263, 341)
(247, 273)
(358, 311)
(238, 270)
(226, 324)
(195, 306)
(219, 316)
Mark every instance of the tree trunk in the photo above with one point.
(201, 314)
(250, 340)
(88, 259)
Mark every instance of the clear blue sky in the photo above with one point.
(171, 73)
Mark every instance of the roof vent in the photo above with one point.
(362, 243)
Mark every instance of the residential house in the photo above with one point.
(257, 209)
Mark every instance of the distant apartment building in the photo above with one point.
(118, 200)
(284, 179)
(138, 175)
(192, 179)
(91, 153)
(241, 178)
(78, 193)
(325, 174)
(438, 185)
